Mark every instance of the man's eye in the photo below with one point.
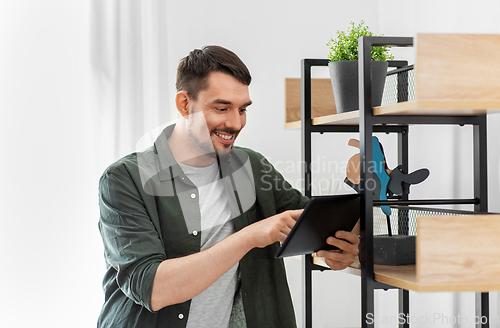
(221, 109)
(242, 110)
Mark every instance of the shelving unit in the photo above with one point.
(438, 100)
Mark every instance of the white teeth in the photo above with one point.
(226, 137)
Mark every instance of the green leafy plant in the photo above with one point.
(345, 47)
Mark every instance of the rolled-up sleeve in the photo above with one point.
(132, 246)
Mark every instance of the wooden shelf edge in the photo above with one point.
(354, 269)
(402, 283)
(439, 108)
(414, 108)
(293, 125)
(347, 118)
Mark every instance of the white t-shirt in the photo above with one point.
(212, 308)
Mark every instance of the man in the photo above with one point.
(190, 226)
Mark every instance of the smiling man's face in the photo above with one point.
(219, 113)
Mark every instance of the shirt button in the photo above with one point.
(193, 195)
(195, 233)
(181, 316)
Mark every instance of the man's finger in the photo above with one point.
(349, 236)
(343, 245)
(344, 258)
(290, 222)
(295, 214)
(286, 230)
(335, 265)
(282, 236)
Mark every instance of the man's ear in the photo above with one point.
(182, 100)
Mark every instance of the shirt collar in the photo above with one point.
(167, 165)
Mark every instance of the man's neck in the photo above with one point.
(186, 151)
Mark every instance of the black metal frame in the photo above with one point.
(368, 124)
(307, 130)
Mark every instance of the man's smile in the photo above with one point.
(225, 138)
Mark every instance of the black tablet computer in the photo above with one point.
(323, 216)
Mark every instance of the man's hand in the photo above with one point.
(339, 259)
(273, 229)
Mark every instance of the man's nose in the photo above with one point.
(234, 120)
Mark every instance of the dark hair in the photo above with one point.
(194, 69)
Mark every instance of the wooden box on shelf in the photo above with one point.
(459, 252)
(322, 101)
(455, 74)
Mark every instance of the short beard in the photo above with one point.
(196, 128)
(224, 150)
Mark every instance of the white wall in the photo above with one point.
(52, 261)
(51, 250)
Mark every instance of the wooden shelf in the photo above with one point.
(462, 259)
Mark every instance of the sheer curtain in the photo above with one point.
(129, 73)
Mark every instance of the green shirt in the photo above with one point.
(149, 213)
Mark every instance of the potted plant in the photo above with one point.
(343, 66)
